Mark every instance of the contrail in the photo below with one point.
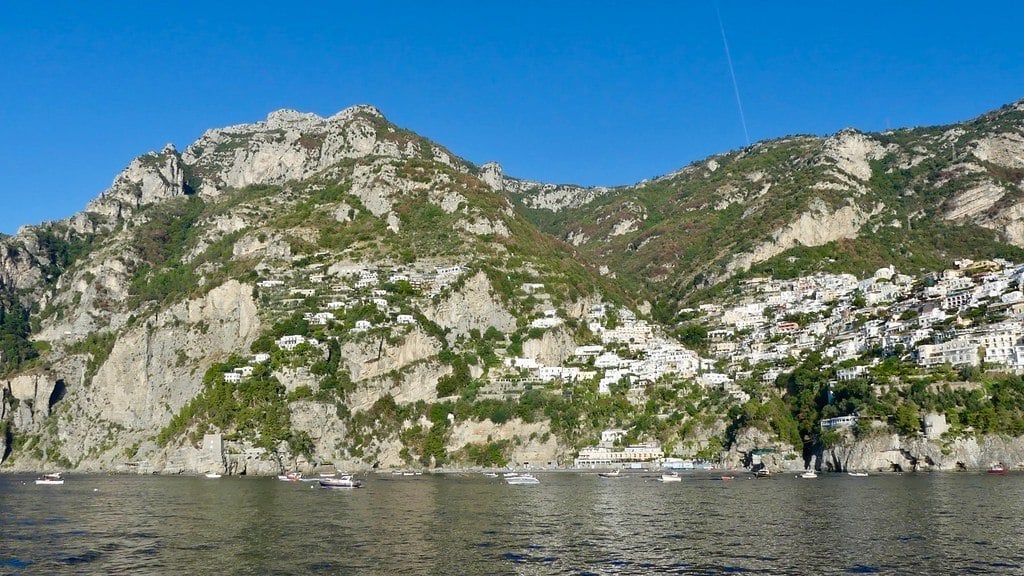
(735, 86)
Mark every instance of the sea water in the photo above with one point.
(468, 524)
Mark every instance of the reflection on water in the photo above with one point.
(470, 524)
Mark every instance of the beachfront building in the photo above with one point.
(611, 456)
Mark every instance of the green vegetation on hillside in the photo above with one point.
(15, 329)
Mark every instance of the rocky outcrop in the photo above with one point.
(852, 152)
(418, 382)
(153, 369)
(753, 444)
(473, 306)
(150, 178)
(886, 452)
(370, 357)
(975, 201)
(290, 145)
(1004, 149)
(20, 269)
(531, 444)
(553, 197)
(551, 349)
(29, 398)
(85, 299)
(816, 226)
(320, 421)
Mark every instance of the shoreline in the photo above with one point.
(412, 472)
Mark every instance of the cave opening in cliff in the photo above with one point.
(59, 390)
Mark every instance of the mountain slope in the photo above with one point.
(914, 198)
(191, 261)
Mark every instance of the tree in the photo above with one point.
(908, 419)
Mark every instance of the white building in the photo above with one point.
(550, 373)
(838, 422)
(290, 342)
(320, 318)
(607, 456)
(956, 352)
(610, 378)
(608, 360)
(522, 363)
(546, 322)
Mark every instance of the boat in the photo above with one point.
(613, 474)
(54, 478)
(290, 477)
(762, 473)
(521, 479)
(343, 481)
(212, 475)
(671, 477)
(491, 474)
(808, 474)
(999, 468)
(858, 474)
(728, 477)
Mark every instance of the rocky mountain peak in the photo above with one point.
(152, 177)
(493, 174)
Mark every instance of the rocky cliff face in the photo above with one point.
(148, 179)
(890, 452)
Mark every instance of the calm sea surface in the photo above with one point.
(952, 523)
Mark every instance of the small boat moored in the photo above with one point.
(521, 479)
(613, 474)
(290, 477)
(670, 477)
(212, 475)
(54, 478)
(342, 481)
(998, 468)
(858, 474)
(808, 474)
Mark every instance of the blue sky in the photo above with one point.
(593, 93)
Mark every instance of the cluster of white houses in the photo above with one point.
(650, 358)
(945, 318)
(349, 291)
(968, 315)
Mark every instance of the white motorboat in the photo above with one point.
(342, 481)
(808, 474)
(290, 477)
(212, 475)
(858, 474)
(613, 474)
(670, 477)
(521, 479)
(54, 478)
